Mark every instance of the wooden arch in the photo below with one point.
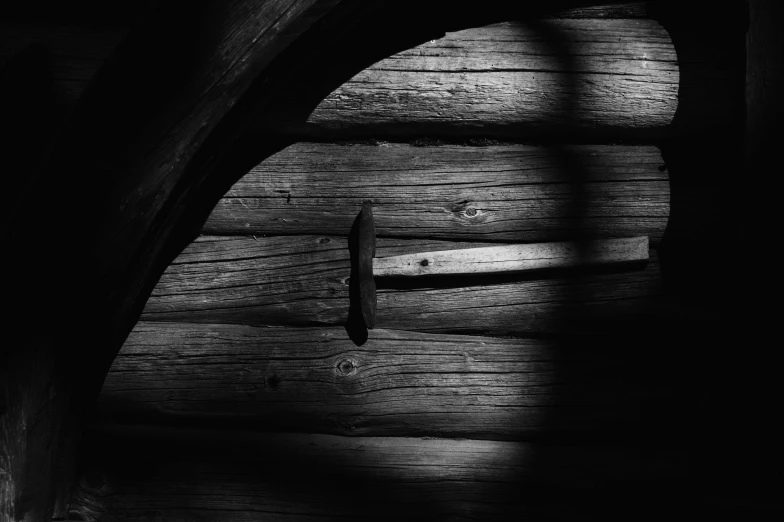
(157, 137)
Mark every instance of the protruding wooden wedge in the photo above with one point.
(514, 258)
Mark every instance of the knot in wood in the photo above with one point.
(460, 206)
(272, 382)
(346, 367)
(467, 213)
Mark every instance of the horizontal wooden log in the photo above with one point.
(586, 76)
(506, 193)
(397, 383)
(178, 475)
(302, 280)
(612, 10)
(514, 258)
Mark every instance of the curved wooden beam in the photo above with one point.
(106, 195)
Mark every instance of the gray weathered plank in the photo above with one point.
(507, 259)
(302, 280)
(397, 383)
(507, 193)
(595, 76)
(179, 475)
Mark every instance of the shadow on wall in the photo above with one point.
(628, 366)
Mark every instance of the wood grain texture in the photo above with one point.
(505, 193)
(397, 383)
(514, 258)
(613, 10)
(179, 475)
(537, 78)
(301, 281)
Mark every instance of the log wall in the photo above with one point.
(511, 193)
(303, 280)
(548, 396)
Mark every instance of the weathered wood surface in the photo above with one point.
(75, 52)
(144, 148)
(397, 383)
(599, 76)
(506, 193)
(302, 280)
(514, 258)
(612, 10)
(179, 475)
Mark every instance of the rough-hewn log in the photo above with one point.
(302, 280)
(507, 193)
(171, 474)
(533, 79)
(397, 383)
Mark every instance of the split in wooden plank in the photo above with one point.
(506, 193)
(397, 383)
(302, 280)
(180, 474)
(546, 77)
